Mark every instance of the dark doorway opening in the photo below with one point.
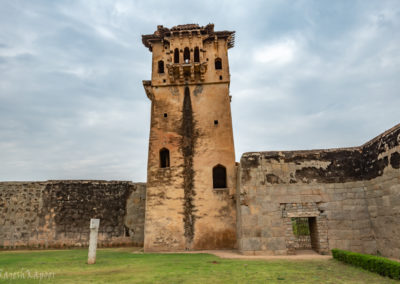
(164, 158)
(160, 66)
(305, 232)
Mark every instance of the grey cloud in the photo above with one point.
(72, 104)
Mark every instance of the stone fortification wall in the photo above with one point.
(383, 192)
(350, 195)
(57, 213)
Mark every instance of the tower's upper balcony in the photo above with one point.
(189, 53)
(192, 71)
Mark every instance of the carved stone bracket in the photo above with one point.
(148, 89)
(181, 71)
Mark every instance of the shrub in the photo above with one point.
(377, 264)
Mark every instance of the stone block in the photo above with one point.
(394, 200)
(251, 232)
(310, 198)
(343, 244)
(335, 197)
(249, 220)
(336, 215)
(254, 209)
(361, 224)
(246, 252)
(394, 188)
(277, 243)
(373, 211)
(276, 222)
(280, 252)
(340, 224)
(386, 201)
(396, 210)
(337, 234)
(354, 202)
(266, 233)
(357, 214)
(251, 244)
(278, 231)
(288, 199)
(269, 207)
(263, 194)
(334, 206)
(358, 249)
(264, 221)
(244, 210)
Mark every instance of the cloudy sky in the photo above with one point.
(304, 75)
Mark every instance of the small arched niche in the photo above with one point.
(218, 63)
(196, 54)
(176, 55)
(186, 55)
(219, 176)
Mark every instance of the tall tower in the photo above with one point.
(191, 175)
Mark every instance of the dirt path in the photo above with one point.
(300, 256)
(232, 254)
(229, 254)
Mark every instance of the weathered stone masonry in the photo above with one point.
(190, 135)
(353, 194)
(196, 196)
(58, 213)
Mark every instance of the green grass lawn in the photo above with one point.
(127, 266)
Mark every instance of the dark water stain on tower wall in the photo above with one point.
(188, 142)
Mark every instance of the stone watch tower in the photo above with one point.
(191, 176)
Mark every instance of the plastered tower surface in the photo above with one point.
(191, 163)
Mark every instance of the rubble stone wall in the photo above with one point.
(353, 193)
(58, 213)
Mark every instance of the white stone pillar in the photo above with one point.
(94, 229)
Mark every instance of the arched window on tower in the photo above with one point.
(164, 158)
(176, 55)
(219, 176)
(196, 54)
(186, 55)
(160, 66)
(218, 64)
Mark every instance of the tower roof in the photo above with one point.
(162, 33)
